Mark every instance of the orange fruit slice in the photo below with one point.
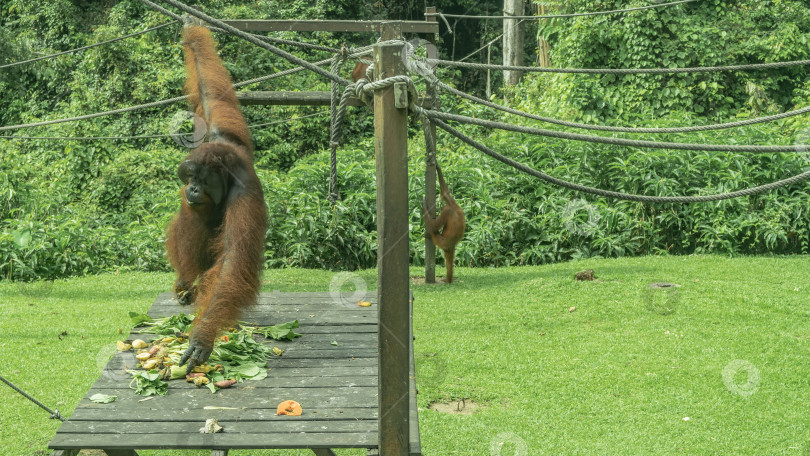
(291, 408)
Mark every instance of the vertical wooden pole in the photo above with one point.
(390, 146)
(430, 177)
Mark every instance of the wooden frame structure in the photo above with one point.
(397, 431)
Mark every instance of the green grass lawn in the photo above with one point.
(726, 370)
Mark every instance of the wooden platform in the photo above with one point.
(336, 385)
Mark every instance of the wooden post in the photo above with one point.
(512, 41)
(390, 145)
(430, 178)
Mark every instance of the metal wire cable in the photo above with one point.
(533, 69)
(553, 16)
(618, 195)
(9, 65)
(583, 126)
(54, 413)
(612, 141)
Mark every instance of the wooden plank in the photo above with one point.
(308, 317)
(173, 308)
(273, 297)
(331, 363)
(215, 441)
(281, 98)
(321, 341)
(415, 446)
(158, 428)
(239, 414)
(309, 329)
(286, 381)
(295, 25)
(391, 143)
(269, 398)
(308, 98)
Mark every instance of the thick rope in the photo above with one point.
(157, 27)
(583, 126)
(316, 47)
(619, 195)
(334, 140)
(54, 413)
(533, 69)
(612, 141)
(552, 16)
(262, 44)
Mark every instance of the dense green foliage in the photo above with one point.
(75, 207)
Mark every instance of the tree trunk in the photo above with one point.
(512, 40)
(543, 47)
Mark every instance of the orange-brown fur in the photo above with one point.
(448, 229)
(218, 249)
(359, 71)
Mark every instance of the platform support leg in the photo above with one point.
(219, 452)
(323, 452)
(120, 452)
(65, 452)
(391, 152)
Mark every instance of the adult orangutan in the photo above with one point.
(216, 240)
(448, 229)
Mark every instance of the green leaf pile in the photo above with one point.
(283, 331)
(179, 323)
(241, 356)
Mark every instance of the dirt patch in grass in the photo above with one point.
(456, 407)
